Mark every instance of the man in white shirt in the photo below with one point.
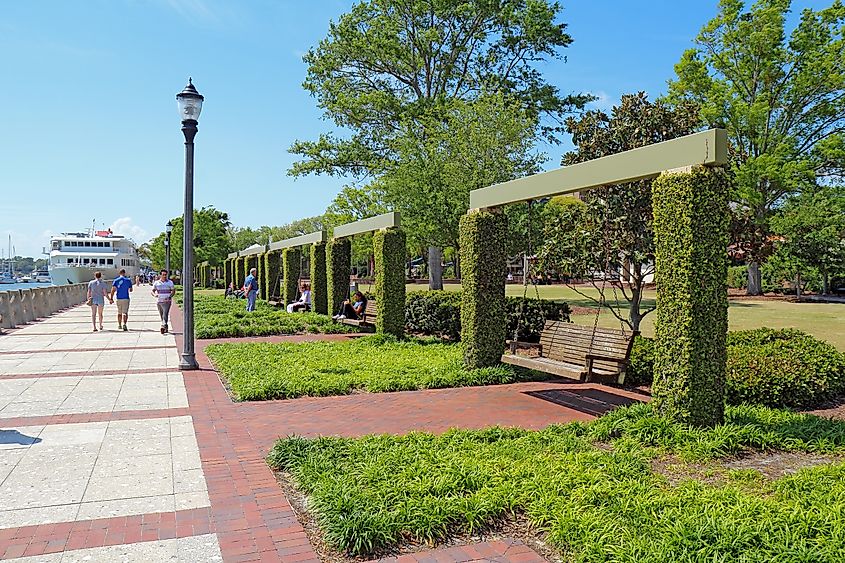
(304, 301)
(164, 290)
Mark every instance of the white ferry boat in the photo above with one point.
(74, 257)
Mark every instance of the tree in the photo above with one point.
(211, 240)
(781, 99)
(813, 229)
(388, 63)
(443, 157)
(613, 232)
(353, 204)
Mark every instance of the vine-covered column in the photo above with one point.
(291, 263)
(691, 221)
(338, 258)
(389, 250)
(483, 314)
(319, 293)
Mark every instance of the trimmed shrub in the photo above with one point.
(291, 264)
(319, 294)
(338, 258)
(738, 277)
(438, 313)
(765, 366)
(389, 250)
(782, 368)
(691, 219)
(482, 242)
(641, 363)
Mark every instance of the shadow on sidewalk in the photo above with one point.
(15, 437)
(588, 400)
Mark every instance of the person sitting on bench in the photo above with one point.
(353, 309)
(304, 302)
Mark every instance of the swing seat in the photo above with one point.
(367, 320)
(577, 352)
(275, 300)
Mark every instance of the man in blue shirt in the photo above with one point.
(122, 286)
(251, 289)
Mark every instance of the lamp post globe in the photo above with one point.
(189, 102)
(168, 229)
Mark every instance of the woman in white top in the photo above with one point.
(304, 301)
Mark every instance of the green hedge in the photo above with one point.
(438, 313)
(291, 265)
(691, 219)
(319, 293)
(482, 242)
(338, 258)
(770, 367)
(738, 277)
(389, 250)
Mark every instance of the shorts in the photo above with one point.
(122, 306)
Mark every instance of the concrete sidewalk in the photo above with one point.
(95, 436)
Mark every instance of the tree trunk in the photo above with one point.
(635, 278)
(457, 264)
(435, 267)
(755, 283)
(825, 283)
(798, 285)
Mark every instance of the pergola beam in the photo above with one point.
(310, 238)
(384, 221)
(709, 148)
(253, 251)
(233, 255)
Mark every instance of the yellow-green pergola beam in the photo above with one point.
(384, 221)
(709, 148)
(310, 238)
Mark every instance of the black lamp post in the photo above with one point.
(168, 228)
(190, 106)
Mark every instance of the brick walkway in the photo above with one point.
(109, 453)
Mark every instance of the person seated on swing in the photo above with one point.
(353, 308)
(304, 301)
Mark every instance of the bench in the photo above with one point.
(577, 352)
(368, 319)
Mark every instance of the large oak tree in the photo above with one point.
(781, 96)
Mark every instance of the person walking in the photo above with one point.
(251, 289)
(123, 287)
(97, 292)
(164, 290)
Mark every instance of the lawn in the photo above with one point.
(825, 321)
(261, 371)
(217, 317)
(628, 487)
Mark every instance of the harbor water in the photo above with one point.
(15, 286)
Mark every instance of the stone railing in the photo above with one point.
(22, 306)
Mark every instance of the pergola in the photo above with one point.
(389, 253)
(286, 256)
(690, 196)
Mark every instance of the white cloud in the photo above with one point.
(602, 102)
(124, 226)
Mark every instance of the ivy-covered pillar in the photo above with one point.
(227, 264)
(389, 250)
(338, 259)
(291, 258)
(691, 220)
(319, 295)
(262, 285)
(271, 273)
(483, 315)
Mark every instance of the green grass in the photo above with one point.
(261, 371)
(217, 317)
(595, 504)
(825, 321)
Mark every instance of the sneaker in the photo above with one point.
(124, 328)
(95, 329)
(335, 317)
(119, 326)
(101, 327)
(162, 330)
(166, 330)
(341, 317)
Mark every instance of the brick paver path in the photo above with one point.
(109, 453)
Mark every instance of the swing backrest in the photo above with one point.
(571, 343)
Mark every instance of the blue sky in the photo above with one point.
(88, 122)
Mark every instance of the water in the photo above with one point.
(13, 286)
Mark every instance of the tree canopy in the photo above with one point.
(211, 240)
(781, 97)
